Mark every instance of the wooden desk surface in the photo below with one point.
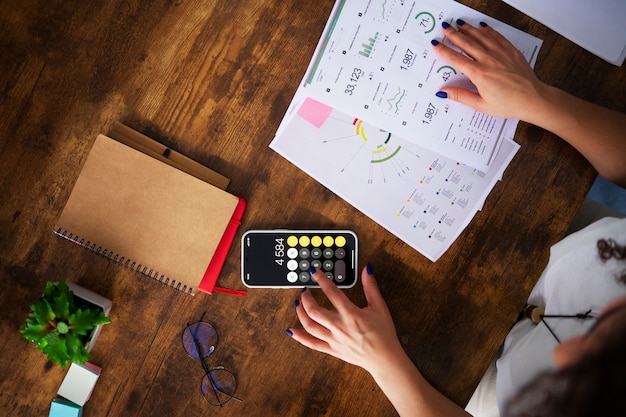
(213, 80)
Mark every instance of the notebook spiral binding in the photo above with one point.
(122, 261)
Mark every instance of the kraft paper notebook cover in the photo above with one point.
(151, 217)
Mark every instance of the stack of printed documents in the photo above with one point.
(366, 123)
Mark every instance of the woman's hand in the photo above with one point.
(507, 86)
(360, 336)
(367, 337)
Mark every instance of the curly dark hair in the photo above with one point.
(609, 248)
(593, 386)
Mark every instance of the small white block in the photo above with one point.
(79, 383)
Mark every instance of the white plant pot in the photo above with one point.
(96, 299)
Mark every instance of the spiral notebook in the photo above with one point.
(151, 217)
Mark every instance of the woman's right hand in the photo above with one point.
(361, 336)
(507, 86)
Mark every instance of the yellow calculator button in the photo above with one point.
(304, 241)
(292, 241)
(340, 241)
(328, 241)
(316, 241)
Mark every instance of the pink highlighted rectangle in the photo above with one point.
(314, 112)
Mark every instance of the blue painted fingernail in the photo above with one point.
(434, 42)
(483, 24)
(369, 269)
(312, 269)
(460, 22)
(296, 303)
(303, 290)
(442, 94)
(445, 25)
(289, 332)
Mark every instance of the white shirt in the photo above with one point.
(574, 281)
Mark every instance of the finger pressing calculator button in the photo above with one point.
(340, 271)
(340, 241)
(292, 241)
(340, 253)
(292, 277)
(292, 253)
(317, 264)
(316, 241)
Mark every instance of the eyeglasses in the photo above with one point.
(218, 385)
(535, 313)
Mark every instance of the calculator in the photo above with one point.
(282, 258)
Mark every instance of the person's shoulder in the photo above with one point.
(606, 227)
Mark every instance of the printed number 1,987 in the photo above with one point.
(408, 59)
(430, 112)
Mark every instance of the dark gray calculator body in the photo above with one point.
(282, 258)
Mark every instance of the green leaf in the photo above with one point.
(56, 349)
(42, 311)
(50, 291)
(101, 319)
(61, 306)
(33, 332)
(62, 327)
(69, 295)
(76, 350)
(84, 320)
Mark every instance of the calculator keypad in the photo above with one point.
(325, 253)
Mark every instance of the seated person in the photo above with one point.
(561, 366)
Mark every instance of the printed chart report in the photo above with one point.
(420, 196)
(366, 123)
(375, 61)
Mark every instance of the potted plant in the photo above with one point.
(65, 321)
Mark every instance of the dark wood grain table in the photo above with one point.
(212, 80)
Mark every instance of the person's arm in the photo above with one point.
(507, 87)
(367, 338)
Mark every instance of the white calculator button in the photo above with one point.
(292, 277)
(292, 265)
(292, 253)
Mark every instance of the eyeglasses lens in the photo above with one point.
(199, 340)
(218, 386)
